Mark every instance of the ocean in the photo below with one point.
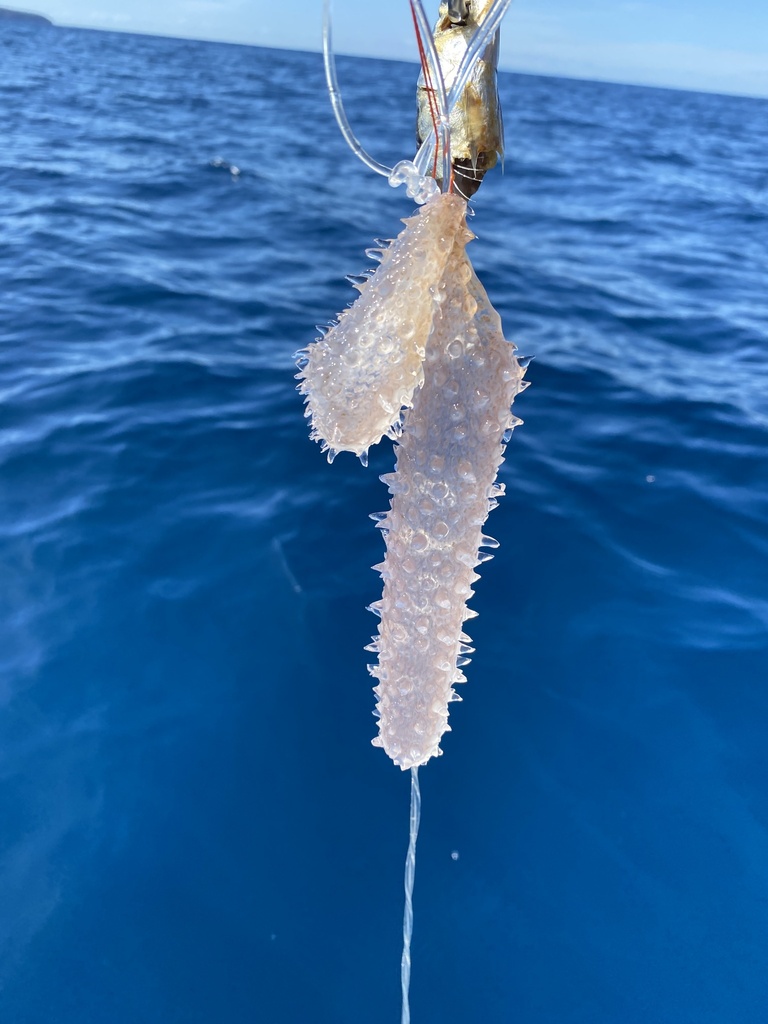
(194, 827)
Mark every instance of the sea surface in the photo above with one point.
(194, 828)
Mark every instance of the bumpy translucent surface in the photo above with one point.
(422, 335)
(443, 487)
(358, 377)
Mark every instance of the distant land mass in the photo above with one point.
(23, 17)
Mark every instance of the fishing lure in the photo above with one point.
(475, 122)
(420, 357)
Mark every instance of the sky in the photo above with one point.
(692, 44)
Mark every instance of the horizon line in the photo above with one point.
(406, 60)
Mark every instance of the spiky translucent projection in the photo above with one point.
(448, 456)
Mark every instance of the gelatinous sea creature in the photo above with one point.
(442, 490)
(458, 376)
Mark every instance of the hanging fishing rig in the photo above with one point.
(420, 357)
(459, 129)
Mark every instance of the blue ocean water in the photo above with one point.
(194, 827)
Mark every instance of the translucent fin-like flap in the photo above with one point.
(360, 375)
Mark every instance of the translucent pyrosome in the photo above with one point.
(424, 338)
(442, 490)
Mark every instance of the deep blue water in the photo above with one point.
(194, 827)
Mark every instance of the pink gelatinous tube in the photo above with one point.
(422, 335)
(442, 489)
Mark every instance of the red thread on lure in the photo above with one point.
(430, 91)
